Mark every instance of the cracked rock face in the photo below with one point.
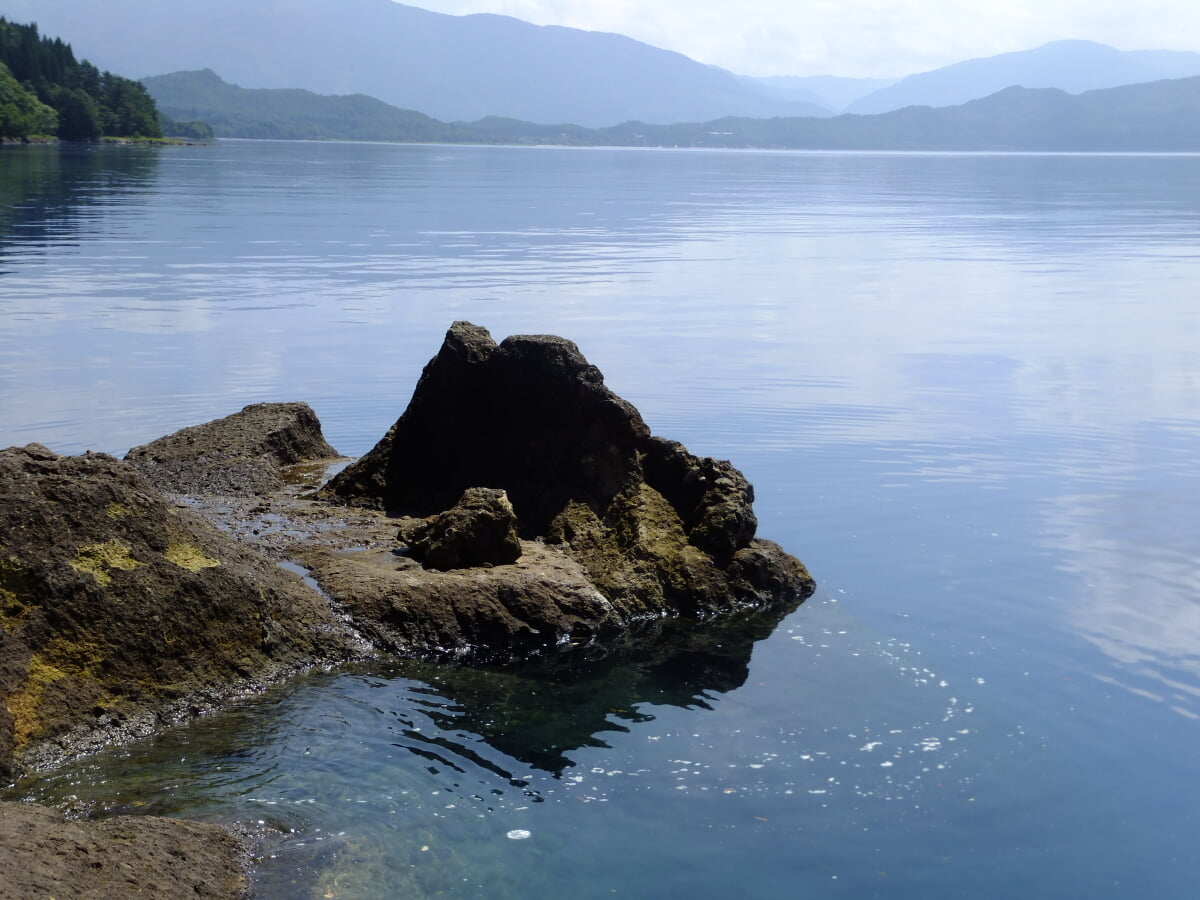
(657, 529)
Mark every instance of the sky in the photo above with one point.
(857, 38)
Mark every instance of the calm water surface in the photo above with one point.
(966, 387)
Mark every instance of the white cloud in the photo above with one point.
(856, 37)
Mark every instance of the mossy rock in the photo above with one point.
(115, 604)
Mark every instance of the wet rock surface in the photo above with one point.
(239, 455)
(45, 855)
(530, 415)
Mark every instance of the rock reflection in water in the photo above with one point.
(540, 714)
(320, 771)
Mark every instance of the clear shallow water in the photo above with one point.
(965, 388)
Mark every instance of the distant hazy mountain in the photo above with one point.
(1072, 66)
(830, 91)
(450, 67)
(1159, 116)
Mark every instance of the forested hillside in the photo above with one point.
(293, 114)
(44, 90)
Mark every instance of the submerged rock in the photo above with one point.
(656, 529)
(117, 608)
(239, 455)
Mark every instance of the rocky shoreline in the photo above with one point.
(518, 513)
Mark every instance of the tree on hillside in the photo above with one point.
(21, 113)
(89, 103)
(78, 116)
(127, 108)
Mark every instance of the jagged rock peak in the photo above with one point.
(530, 415)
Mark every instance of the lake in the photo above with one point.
(965, 387)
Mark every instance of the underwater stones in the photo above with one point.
(239, 455)
(116, 606)
(657, 529)
(479, 530)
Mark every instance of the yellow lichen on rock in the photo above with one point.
(61, 663)
(119, 511)
(188, 557)
(98, 560)
(13, 610)
(23, 703)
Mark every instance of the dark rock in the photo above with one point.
(764, 571)
(530, 416)
(714, 500)
(239, 455)
(657, 529)
(116, 607)
(479, 530)
(46, 855)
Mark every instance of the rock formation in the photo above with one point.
(551, 526)
(656, 529)
(115, 605)
(531, 417)
(239, 455)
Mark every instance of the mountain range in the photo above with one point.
(1156, 116)
(1071, 66)
(464, 68)
(450, 67)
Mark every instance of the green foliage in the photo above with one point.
(78, 115)
(126, 108)
(194, 130)
(21, 113)
(87, 104)
(292, 114)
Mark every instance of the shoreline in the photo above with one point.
(518, 514)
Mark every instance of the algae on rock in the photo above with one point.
(116, 605)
